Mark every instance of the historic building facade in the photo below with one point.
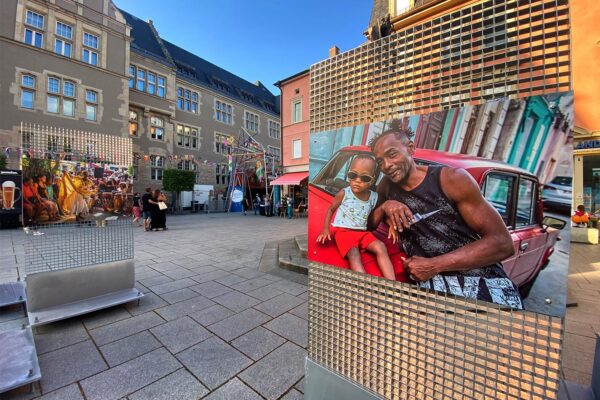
(63, 65)
(86, 65)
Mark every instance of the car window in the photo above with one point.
(332, 177)
(526, 203)
(563, 180)
(498, 190)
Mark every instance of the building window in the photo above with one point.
(274, 130)
(297, 111)
(151, 82)
(187, 165)
(147, 81)
(223, 143)
(34, 31)
(251, 121)
(131, 77)
(222, 174)
(223, 112)
(187, 100)
(275, 152)
(27, 91)
(58, 100)
(157, 128)
(90, 49)
(162, 86)
(91, 105)
(187, 137)
(141, 80)
(133, 123)
(62, 44)
(297, 148)
(157, 165)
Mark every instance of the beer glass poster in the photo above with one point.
(450, 201)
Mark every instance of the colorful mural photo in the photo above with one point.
(74, 191)
(449, 201)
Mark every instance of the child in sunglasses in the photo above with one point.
(353, 205)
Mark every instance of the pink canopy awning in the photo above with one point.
(293, 178)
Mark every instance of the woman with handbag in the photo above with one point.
(158, 205)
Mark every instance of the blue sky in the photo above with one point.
(264, 40)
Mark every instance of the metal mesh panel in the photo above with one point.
(49, 142)
(402, 342)
(62, 246)
(488, 49)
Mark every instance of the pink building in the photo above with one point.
(295, 129)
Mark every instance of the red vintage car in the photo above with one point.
(514, 192)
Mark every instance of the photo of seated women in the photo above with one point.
(69, 191)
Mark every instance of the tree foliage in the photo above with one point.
(2, 161)
(177, 180)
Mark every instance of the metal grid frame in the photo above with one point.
(403, 342)
(60, 246)
(485, 50)
(43, 141)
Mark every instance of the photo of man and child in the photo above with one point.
(434, 217)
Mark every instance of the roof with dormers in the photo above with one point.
(146, 42)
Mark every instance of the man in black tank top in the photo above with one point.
(459, 248)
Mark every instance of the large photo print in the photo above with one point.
(451, 201)
(61, 191)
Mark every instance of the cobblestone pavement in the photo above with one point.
(210, 326)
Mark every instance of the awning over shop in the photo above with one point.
(293, 178)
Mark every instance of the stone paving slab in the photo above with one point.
(292, 288)
(172, 286)
(293, 395)
(211, 289)
(212, 315)
(186, 307)
(231, 280)
(105, 317)
(127, 378)
(234, 389)
(214, 362)
(286, 363)
(180, 385)
(179, 273)
(258, 342)
(238, 324)
(178, 295)
(180, 334)
(210, 276)
(278, 305)
(58, 335)
(265, 293)
(236, 301)
(290, 327)
(70, 392)
(147, 303)
(131, 347)
(251, 284)
(70, 364)
(301, 311)
(156, 280)
(119, 330)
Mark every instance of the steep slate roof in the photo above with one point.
(143, 40)
(197, 70)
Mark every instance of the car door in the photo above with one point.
(531, 235)
(498, 188)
